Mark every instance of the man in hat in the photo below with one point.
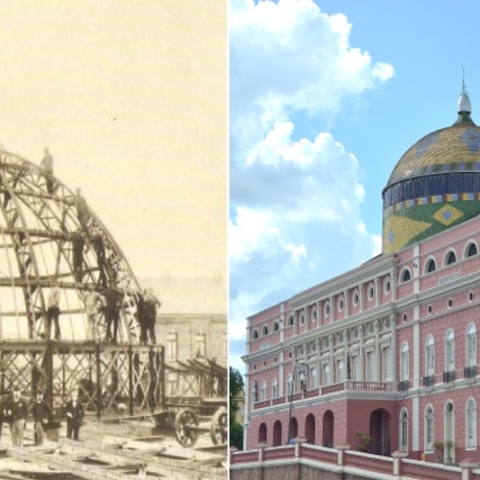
(94, 302)
(16, 412)
(42, 415)
(151, 303)
(75, 414)
(47, 165)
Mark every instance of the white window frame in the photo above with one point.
(450, 351)
(274, 388)
(354, 367)
(369, 366)
(387, 366)
(326, 374)
(405, 360)
(429, 428)
(289, 384)
(471, 424)
(430, 355)
(471, 345)
(403, 430)
(340, 369)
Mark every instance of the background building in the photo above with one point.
(384, 357)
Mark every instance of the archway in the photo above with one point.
(293, 428)
(277, 434)
(310, 428)
(328, 428)
(380, 432)
(262, 433)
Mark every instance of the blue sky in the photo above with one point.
(325, 97)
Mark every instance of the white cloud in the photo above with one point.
(295, 199)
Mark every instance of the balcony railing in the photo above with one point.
(403, 386)
(470, 372)
(449, 377)
(325, 390)
(429, 381)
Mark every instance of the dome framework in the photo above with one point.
(37, 229)
(41, 222)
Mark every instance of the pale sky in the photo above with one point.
(131, 100)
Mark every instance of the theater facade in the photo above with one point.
(384, 357)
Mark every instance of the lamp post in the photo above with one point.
(304, 370)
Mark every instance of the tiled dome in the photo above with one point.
(435, 185)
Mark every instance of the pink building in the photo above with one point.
(384, 358)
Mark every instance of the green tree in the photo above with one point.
(236, 385)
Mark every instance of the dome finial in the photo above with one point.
(464, 106)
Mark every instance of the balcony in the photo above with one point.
(470, 372)
(429, 381)
(403, 386)
(449, 377)
(349, 385)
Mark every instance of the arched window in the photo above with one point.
(471, 346)
(405, 362)
(450, 351)
(430, 356)
(471, 250)
(404, 430)
(255, 334)
(313, 373)
(262, 433)
(255, 391)
(406, 276)
(291, 321)
(265, 330)
(290, 384)
(451, 258)
(274, 388)
(471, 423)
(430, 266)
(449, 431)
(275, 326)
(429, 429)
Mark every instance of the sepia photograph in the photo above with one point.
(113, 240)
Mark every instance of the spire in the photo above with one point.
(464, 106)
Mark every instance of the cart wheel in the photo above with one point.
(186, 423)
(218, 426)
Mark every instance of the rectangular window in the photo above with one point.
(201, 345)
(429, 432)
(172, 346)
(274, 389)
(369, 364)
(339, 371)
(405, 365)
(450, 355)
(472, 349)
(430, 359)
(355, 368)
(386, 368)
(326, 375)
(404, 433)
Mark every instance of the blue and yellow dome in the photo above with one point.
(435, 185)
